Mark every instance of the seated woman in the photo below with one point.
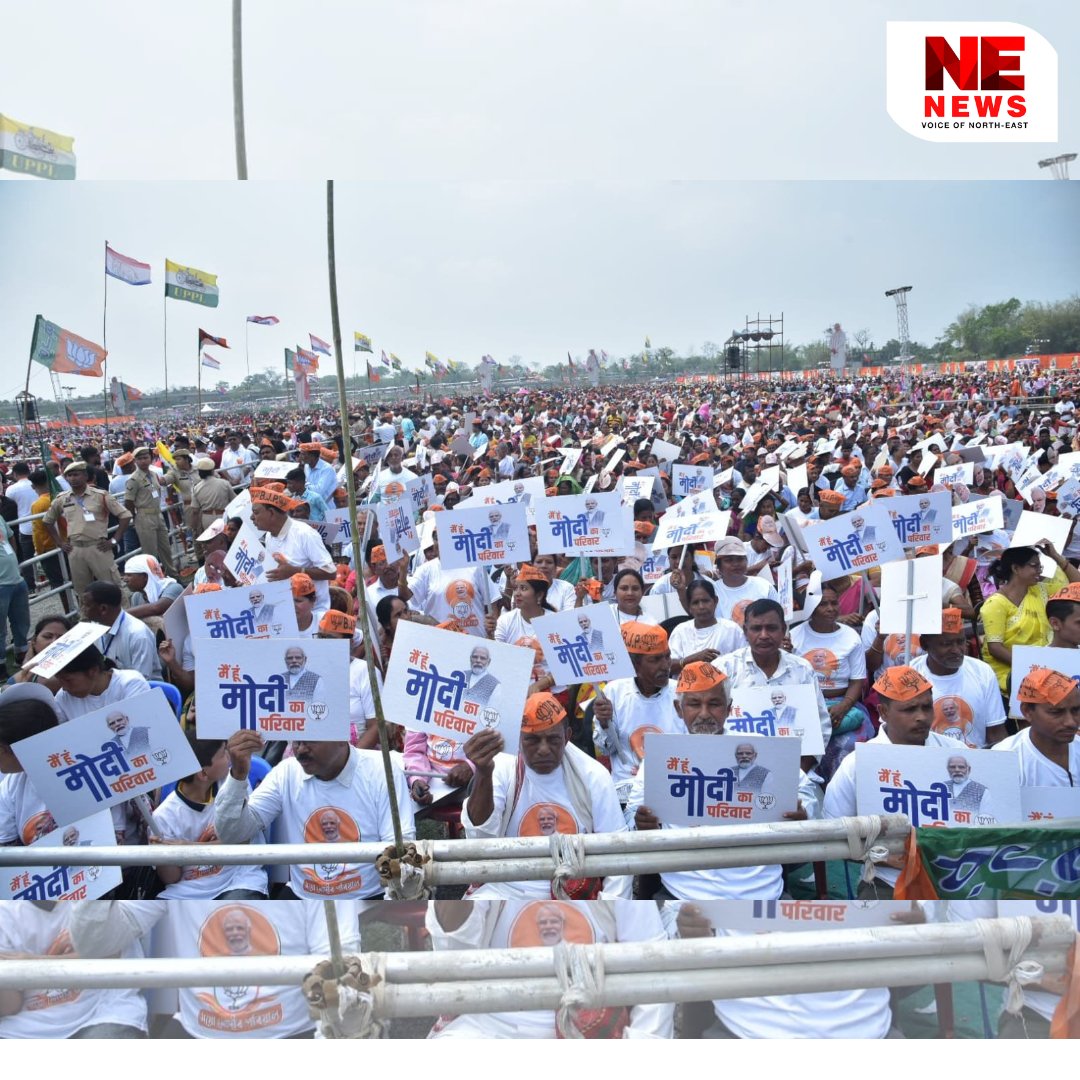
(47, 630)
(703, 636)
(629, 588)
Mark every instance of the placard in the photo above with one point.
(454, 685)
(852, 542)
(979, 516)
(676, 530)
(654, 567)
(720, 779)
(937, 785)
(264, 610)
(583, 645)
(703, 502)
(59, 653)
(920, 520)
(246, 557)
(290, 689)
(65, 882)
(571, 455)
(1033, 528)
(1049, 804)
(690, 479)
(785, 583)
(108, 756)
(767, 916)
(594, 524)
(397, 533)
(964, 473)
(239, 507)
(665, 451)
(662, 606)
(1026, 657)
(785, 711)
(484, 536)
(926, 590)
(275, 470)
(636, 487)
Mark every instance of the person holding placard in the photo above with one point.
(1048, 748)
(88, 681)
(1016, 613)
(703, 636)
(294, 546)
(517, 626)
(735, 589)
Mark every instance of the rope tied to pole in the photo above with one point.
(863, 848)
(403, 878)
(1003, 946)
(568, 859)
(345, 1007)
(580, 971)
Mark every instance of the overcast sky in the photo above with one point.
(511, 268)
(467, 89)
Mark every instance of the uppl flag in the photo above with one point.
(361, 342)
(210, 362)
(395, 362)
(209, 339)
(165, 454)
(36, 151)
(64, 352)
(187, 283)
(264, 320)
(318, 345)
(126, 269)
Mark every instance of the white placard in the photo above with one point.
(797, 479)
(676, 530)
(454, 685)
(935, 785)
(484, 536)
(175, 619)
(107, 756)
(275, 470)
(287, 689)
(64, 649)
(964, 473)
(239, 507)
(785, 711)
(593, 524)
(1033, 528)
(65, 882)
(662, 606)
(654, 567)
(328, 530)
(1026, 657)
(636, 487)
(264, 610)
(692, 506)
(690, 480)
(397, 533)
(583, 645)
(852, 542)
(720, 779)
(1041, 804)
(766, 916)
(982, 515)
(926, 590)
(725, 476)
(920, 520)
(785, 583)
(571, 455)
(246, 557)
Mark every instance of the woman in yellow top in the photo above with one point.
(1016, 613)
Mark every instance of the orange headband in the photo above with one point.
(527, 572)
(337, 622)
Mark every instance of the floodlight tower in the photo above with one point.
(900, 296)
(1058, 166)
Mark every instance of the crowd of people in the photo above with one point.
(700, 623)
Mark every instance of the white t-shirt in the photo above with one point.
(892, 653)
(733, 602)
(686, 639)
(302, 546)
(513, 629)
(123, 684)
(633, 716)
(967, 703)
(461, 594)
(836, 658)
(1036, 769)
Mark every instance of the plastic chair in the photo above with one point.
(172, 695)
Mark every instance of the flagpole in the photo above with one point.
(357, 546)
(165, 331)
(247, 358)
(238, 91)
(105, 345)
(199, 380)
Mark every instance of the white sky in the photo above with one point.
(512, 268)
(468, 89)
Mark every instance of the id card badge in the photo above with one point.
(88, 515)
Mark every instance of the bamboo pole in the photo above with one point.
(239, 134)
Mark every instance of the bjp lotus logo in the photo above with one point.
(318, 710)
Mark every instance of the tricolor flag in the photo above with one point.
(209, 339)
(264, 320)
(130, 270)
(395, 362)
(34, 150)
(361, 342)
(210, 362)
(187, 283)
(64, 352)
(318, 345)
(306, 360)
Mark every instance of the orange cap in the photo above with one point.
(534, 644)
(205, 587)
(644, 529)
(952, 621)
(698, 677)
(1042, 686)
(527, 572)
(302, 585)
(643, 639)
(699, 459)
(917, 482)
(378, 554)
(309, 447)
(1070, 592)
(337, 622)
(928, 549)
(831, 498)
(125, 459)
(542, 711)
(850, 470)
(901, 683)
(275, 499)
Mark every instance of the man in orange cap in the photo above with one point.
(319, 474)
(549, 787)
(630, 709)
(967, 698)
(830, 504)
(851, 486)
(1063, 614)
(292, 545)
(906, 706)
(1048, 748)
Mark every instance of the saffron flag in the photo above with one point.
(130, 270)
(306, 360)
(72, 417)
(209, 339)
(210, 362)
(264, 320)
(131, 393)
(361, 342)
(34, 150)
(64, 352)
(187, 283)
(318, 345)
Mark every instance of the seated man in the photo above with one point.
(701, 701)
(507, 924)
(1048, 748)
(330, 792)
(221, 929)
(129, 643)
(906, 706)
(550, 787)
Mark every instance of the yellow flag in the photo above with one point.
(165, 454)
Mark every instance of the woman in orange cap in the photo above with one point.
(530, 589)
(303, 593)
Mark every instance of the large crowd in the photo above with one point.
(144, 519)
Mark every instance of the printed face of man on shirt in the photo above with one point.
(330, 824)
(550, 924)
(548, 820)
(236, 927)
(295, 660)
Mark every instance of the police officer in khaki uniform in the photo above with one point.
(210, 495)
(182, 477)
(142, 497)
(85, 511)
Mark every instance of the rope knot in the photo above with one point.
(404, 878)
